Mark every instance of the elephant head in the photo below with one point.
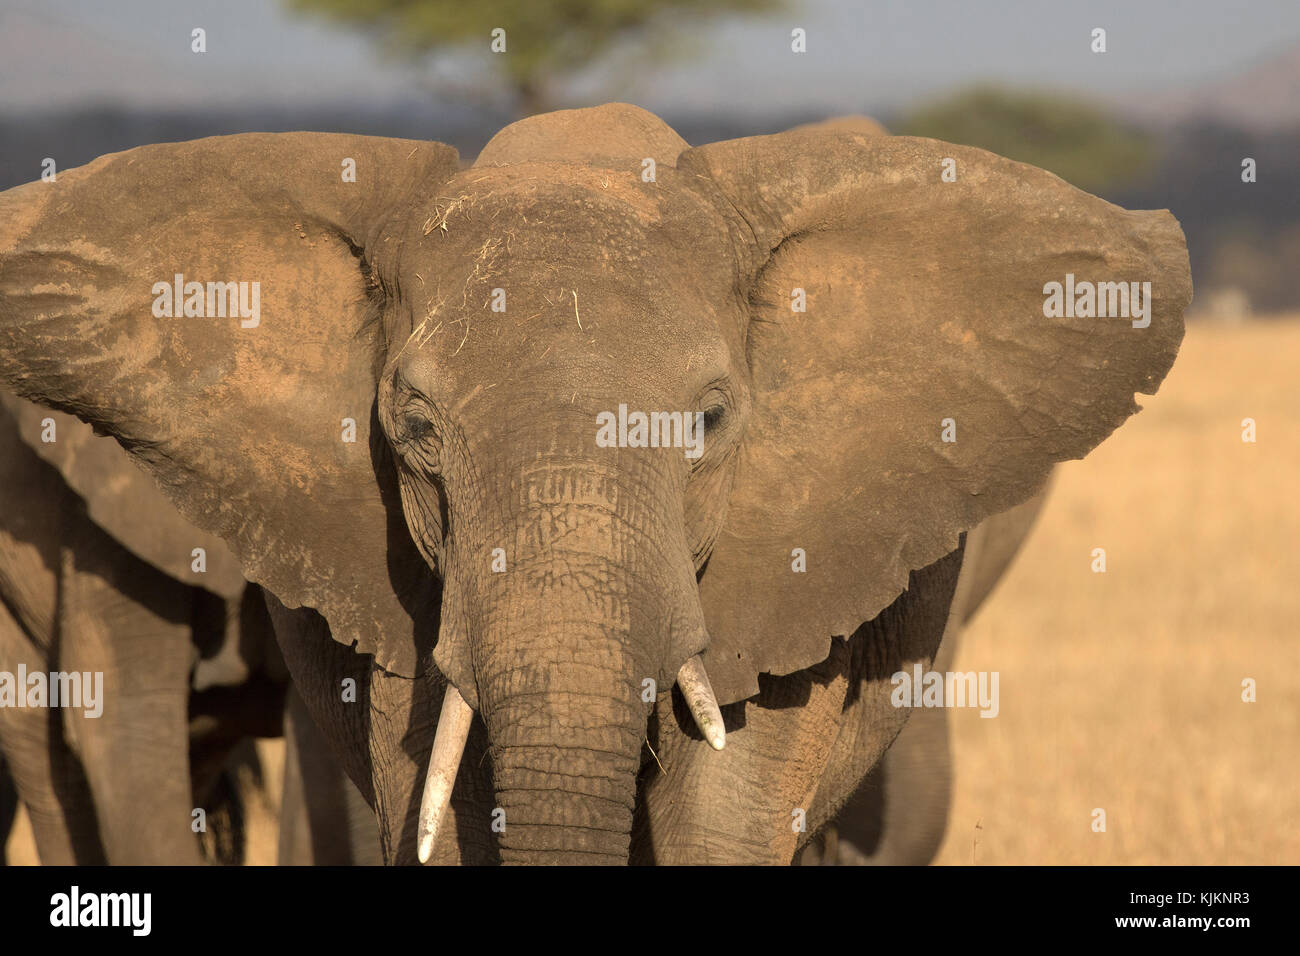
(827, 305)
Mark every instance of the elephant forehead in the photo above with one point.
(562, 264)
(557, 213)
(579, 335)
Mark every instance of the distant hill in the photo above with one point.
(1263, 97)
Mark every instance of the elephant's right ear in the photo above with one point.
(921, 357)
(213, 306)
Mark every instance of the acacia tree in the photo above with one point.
(546, 40)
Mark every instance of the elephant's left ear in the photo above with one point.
(933, 328)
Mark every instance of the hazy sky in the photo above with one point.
(866, 55)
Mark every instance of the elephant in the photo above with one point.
(417, 402)
(899, 814)
(99, 576)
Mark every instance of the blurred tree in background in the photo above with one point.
(1077, 141)
(546, 40)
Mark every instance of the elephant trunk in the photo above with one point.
(569, 641)
(559, 668)
(553, 819)
(596, 614)
(566, 740)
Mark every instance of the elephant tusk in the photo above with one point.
(444, 761)
(694, 683)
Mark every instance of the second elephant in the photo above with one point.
(97, 580)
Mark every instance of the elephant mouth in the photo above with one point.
(453, 731)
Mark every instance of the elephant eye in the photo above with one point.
(420, 443)
(417, 427)
(713, 417)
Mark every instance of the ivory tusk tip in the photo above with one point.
(694, 684)
(444, 760)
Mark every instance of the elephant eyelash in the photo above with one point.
(716, 421)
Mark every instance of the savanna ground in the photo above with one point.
(1123, 691)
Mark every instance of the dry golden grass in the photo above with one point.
(1123, 690)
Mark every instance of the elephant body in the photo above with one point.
(183, 675)
(598, 489)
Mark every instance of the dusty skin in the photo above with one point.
(475, 432)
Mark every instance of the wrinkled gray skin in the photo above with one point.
(899, 814)
(184, 672)
(475, 433)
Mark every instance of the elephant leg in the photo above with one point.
(124, 619)
(900, 813)
(334, 684)
(919, 627)
(747, 804)
(324, 820)
(333, 689)
(46, 774)
(295, 847)
(796, 752)
(229, 795)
